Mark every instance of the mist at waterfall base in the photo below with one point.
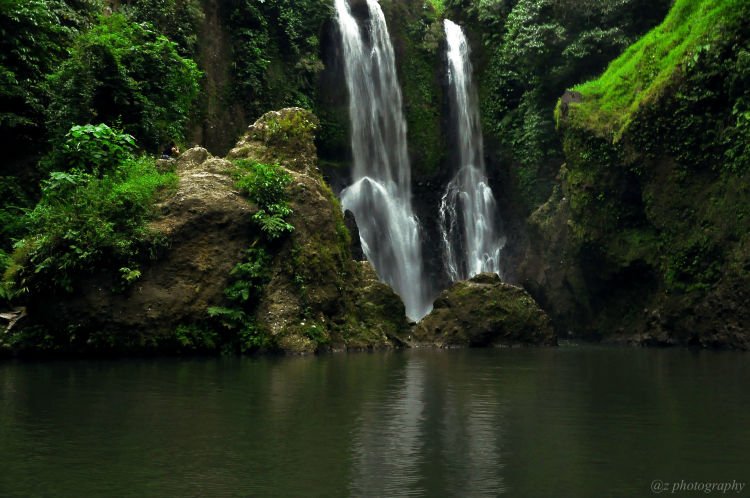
(380, 194)
(469, 223)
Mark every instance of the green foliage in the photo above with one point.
(6, 291)
(84, 220)
(178, 20)
(668, 157)
(272, 220)
(266, 186)
(648, 67)
(276, 51)
(14, 201)
(288, 129)
(92, 148)
(249, 278)
(34, 37)
(127, 74)
(420, 32)
(194, 338)
(533, 51)
(438, 6)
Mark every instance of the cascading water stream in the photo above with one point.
(469, 223)
(380, 196)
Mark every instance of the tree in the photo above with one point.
(125, 74)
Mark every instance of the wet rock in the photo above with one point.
(317, 298)
(484, 311)
(356, 246)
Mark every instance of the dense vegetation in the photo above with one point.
(657, 172)
(91, 215)
(276, 45)
(266, 186)
(533, 51)
(123, 73)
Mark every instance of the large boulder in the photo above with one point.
(484, 311)
(317, 297)
(206, 225)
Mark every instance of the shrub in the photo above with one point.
(289, 128)
(5, 290)
(178, 20)
(83, 221)
(266, 186)
(13, 201)
(195, 338)
(92, 148)
(276, 49)
(35, 37)
(125, 73)
(249, 278)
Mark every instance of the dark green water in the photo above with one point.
(572, 422)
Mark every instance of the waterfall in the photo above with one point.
(380, 196)
(469, 224)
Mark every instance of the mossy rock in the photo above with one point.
(318, 297)
(484, 311)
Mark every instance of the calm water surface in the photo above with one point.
(576, 421)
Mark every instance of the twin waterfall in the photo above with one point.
(468, 225)
(380, 195)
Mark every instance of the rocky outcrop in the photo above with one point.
(484, 311)
(316, 297)
(206, 226)
(646, 239)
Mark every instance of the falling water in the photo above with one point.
(380, 196)
(468, 221)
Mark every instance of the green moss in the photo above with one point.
(416, 28)
(438, 6)
(650, 66)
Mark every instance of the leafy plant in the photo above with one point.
(249, 278)
(13, 202)
(92, 148)
(35, 38)
(196, 338)
(276, 49)
(125, 73)
(266, 186)
(533, 51)
(294, 127)
(84, 220)
(178, 20)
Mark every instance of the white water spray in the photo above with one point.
(468, 212)
(380, 196)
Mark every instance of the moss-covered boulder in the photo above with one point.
(484, 311)
(318, 296)
(304, 293)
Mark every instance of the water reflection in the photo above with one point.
(428, 435)
(570, 422)
(386, 446)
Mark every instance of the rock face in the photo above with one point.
(484, 311)
(317, 297)
(207, 225)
